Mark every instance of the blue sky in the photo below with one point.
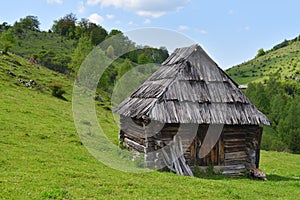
(231, 31)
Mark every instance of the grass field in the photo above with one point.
(42, 156)
(284, 60)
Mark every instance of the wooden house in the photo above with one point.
(189, 94)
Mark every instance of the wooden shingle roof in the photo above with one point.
(189, 87)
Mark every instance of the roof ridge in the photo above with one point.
(181, 54)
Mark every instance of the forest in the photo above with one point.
(280, 101)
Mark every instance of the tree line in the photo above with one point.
(283, 44)
(280, 101)
(85, 35)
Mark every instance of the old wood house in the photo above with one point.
(190, 96)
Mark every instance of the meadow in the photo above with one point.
(42, 156)
(284, 60)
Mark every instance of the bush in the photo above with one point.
(260, 52)
(57, 90)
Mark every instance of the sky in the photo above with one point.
(230, 31)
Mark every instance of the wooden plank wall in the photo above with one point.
(242, 146)
(253, 139)
(166, 135)
(238, 147)
(132, 134)
(234, 145)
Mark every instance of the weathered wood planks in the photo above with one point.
(238, 145)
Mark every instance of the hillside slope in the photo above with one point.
(273, 79)
(42, 156)
(285, 60)
(29, 43)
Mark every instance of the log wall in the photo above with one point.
(241, 147)
(237, 148)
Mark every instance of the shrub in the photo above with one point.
(260, 52)
(57, 90)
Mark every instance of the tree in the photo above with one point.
(113, 32)
(281, 102)
(144, 58)
(281, 45)
(278, 108)
(30, 23)
(163, 51)
(84, 47)
(96, 33)
(65, 26)
(273, 84)
(84, 23)
(260, 52)
(258, 95)
(124, 67)
(5, 26)
(88, 29)
(7, 40)
(110, 51)
(119, 42)
(289, 126)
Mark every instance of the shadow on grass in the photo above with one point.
(220, 177)
(270, 177)
(63, 98)
(275, 178)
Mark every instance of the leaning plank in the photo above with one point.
(175, 159)
(134, 145)
(186, 168)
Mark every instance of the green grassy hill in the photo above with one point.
(285, 60)
(49, 49)
(42, 156)
(30, 43)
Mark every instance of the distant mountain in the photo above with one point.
(283, 58)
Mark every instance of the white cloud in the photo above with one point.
(93, 2)
(131, 23)
(153, 8)
(247, 28)
(117, 22)
(81, 8)
(110, 16)
(183, 27)
(147, 21)
(201, 31)
(154, 14)
(230, 12)
(55, 1)
(95, 18)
